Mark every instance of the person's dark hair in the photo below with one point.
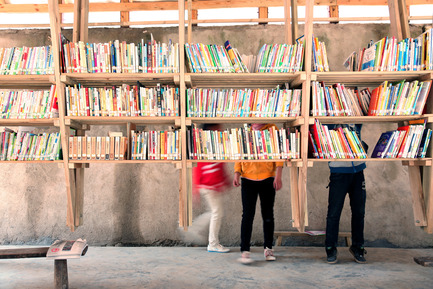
(210, 126)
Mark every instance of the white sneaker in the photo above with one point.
(245, 258)
(218, 249)
(269, 254)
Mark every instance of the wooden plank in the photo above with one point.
(403, 15)
(287, 23)
(189, 24)
(36, 252)
(334, 13)
(77, 21)
(418, 204)
(124, 15)
(84, 18)
(294, 196)
(64, 133)
(295, 19)
(172, 5)
(395, 24)
(424, 261)
(263, 14)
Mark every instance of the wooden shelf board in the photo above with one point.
(242, 80)
(124, 161)
(241, 119)
(32, 162)
(232, 161)
(27, 81)
(365, 119)
(28, 122)
(424, 160)
(110, 79)
(121, 120)
(367, 78)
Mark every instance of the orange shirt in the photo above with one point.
(258, 170)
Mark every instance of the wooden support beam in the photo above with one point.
(189, 24)
(263, 14)
(403, 16)
(295, 20)
(287, 24)
(394, 17)
(417, 196)
(294, 196)
(172, 5)
(84, 19)
(124, 15)
(334, 13)
(77, 22)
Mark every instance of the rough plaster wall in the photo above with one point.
(138, 204)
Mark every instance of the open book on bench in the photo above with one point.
(61, 249)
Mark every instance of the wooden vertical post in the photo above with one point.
(404, 20)
(417, 196)
(70, 181)
(428, 172)
(334, 12)
(294, 16)
(294, 196)
(124, 15)
(183, 185)
(302, 178)
(77, 21)
(189, 24)
(399, 23)
(84, 25)
(288, 38)
(263, 14)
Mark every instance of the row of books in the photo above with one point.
(28, 104)
(409, 141)
(26, 60)
(112, 147)
(280, 58)
(243, 143)
(401, 98)
(122, 100)
(320, 57)
(337, 143)
(213, 58)
(338, 100)
(25, 145)
(388, 54)
(156, 145)
(243, 102)
(120, 57)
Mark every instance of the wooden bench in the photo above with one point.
(60, 266)
(280, 234)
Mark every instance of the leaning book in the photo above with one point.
(62, 249)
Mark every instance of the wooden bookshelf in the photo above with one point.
(74, 169)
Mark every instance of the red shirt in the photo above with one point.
(210, 176)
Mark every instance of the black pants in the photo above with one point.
(250, 190)
(339, 186)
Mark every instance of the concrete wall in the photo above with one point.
(138, 204)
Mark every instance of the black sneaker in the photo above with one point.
(358, 253)
(331, 255)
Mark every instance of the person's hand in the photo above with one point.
(278, 183)
(236, 180)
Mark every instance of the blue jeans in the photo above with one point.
(341, 184)
(250, 190)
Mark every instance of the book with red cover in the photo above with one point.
(375, 94)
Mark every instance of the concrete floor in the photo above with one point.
(193, 267)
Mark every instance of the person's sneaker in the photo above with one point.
(358, 253)
(331, 255)
(217, 249)
(245, 258)
(269, 254)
